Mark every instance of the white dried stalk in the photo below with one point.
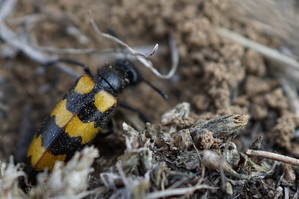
(141, 57)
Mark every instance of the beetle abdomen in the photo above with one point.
(72, 124)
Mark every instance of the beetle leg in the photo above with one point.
(26, 134)
(142, 116)
(107, 130)
(69, 61)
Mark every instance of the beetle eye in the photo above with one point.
(133, 75)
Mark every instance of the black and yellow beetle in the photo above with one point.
(79, 116)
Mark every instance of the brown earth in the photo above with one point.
(215, 75)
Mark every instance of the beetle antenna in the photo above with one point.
(162, 93)
(69, 61)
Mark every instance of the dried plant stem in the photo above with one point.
(141, 57)
(54, 50)
(6, 8)
(224, 126)
(262, 49)
(292, 95)
(273, 156)
(178, 191)
(12, 39)
(203, 168)
(117, 53)
(9, 37)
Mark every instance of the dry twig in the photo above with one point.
(262, 49)
(273, 156)
(11, 38)
(142, 58)
(6, 8)
(292, 95)
(178, 191)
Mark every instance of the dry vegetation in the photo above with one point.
(229, 129)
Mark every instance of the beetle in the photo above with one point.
(81, 114)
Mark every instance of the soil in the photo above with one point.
(215, 75)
